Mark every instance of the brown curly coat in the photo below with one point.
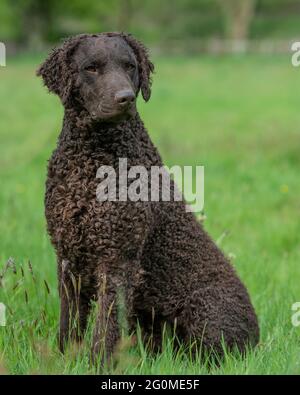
(169, 267)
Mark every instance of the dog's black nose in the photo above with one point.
(124, 98)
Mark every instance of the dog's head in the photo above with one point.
(100, 73)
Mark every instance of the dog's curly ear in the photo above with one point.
(52, 72)
(146, 67)
(56, 70)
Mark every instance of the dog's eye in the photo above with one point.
(130, 66)
(91, 69)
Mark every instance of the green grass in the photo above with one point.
(239, 117)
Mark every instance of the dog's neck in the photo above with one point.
(80, 134)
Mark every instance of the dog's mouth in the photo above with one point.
(111, 114)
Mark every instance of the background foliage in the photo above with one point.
(33, 23)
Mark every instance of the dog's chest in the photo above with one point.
(78, 222)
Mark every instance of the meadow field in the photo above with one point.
(237, 116)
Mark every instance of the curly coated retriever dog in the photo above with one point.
(168, 268)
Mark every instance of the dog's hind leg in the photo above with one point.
(219, 316)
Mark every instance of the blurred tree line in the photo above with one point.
(34, 23)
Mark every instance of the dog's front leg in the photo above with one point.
(69, 304)
(107, 330)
